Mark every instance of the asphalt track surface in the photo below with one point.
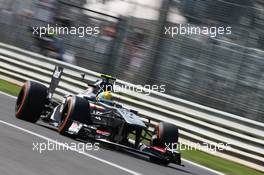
(18, 155)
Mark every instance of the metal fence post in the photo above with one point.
(158, 41)
(110, 67)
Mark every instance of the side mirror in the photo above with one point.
(118, 105)
(83, 76)
(134, 111)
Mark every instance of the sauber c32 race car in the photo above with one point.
(85, 117)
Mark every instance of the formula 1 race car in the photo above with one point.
(84, 116)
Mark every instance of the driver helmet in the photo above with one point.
(105, 95)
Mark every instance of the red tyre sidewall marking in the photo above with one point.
(60, 128)
(20, 109)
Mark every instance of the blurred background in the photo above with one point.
(226, 72)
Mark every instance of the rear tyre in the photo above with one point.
(31, 101)
(76, 109)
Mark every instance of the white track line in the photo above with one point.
(203, 167)
(70, 148)
(6, 94)
(188, 161)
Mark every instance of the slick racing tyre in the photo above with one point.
(31, 101)
(76, 109)
(166, 133)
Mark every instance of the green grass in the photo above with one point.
(9, 88)
(202, 158)
(218, 164)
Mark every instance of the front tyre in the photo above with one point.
(76, 109)
(165, 133)
(31, 101)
